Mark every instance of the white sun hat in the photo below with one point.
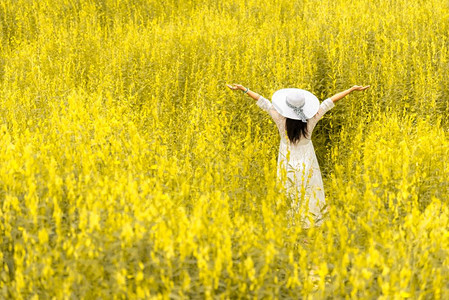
(295, 103)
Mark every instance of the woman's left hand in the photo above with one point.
(235, 86)
(359, 87)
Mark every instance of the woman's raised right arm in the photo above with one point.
(329, 103)
(343, 94)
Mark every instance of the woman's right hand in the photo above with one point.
(359, 87)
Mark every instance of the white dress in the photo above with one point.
(298, 169)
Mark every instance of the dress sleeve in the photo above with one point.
(266, 105)
(325, 106)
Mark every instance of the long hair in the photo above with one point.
(295, 129)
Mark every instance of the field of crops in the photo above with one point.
(129, 170)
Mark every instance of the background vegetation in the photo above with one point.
(128, 169)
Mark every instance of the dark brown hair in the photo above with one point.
(295, 129)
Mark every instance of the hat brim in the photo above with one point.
(310, 108)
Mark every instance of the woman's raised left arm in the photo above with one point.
(262, 102)
(252, 94)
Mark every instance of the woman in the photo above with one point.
(296, 113)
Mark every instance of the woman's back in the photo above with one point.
(266, 105)
(301, 165)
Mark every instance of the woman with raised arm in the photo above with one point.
(296, 112)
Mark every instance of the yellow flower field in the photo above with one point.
(130, 170)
